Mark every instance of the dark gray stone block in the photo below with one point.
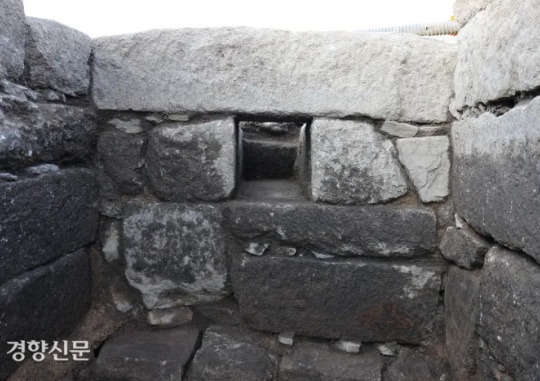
(412, 365)
(231, 354)
(175, 254)
(224, 312)
(43, 304)
(379, 231)
(314, 361)
(193, 161)
(357, 299)
(57, 57)
(510, 311)
(121, 157)
(143, 356)
(464, 247)
(462, 311)
(12, 38)
(44, 217)
(35, 133)
(495, 178)
(489, 369)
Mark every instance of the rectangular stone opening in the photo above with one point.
(273, 157)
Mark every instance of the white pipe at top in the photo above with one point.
(434, 29)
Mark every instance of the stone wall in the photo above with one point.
(253, 166)
(48, 191)
(492, 289)
(272, 205)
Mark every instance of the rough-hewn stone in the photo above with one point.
(231, 354)
(464, 247)
(494, 176)
(121, 157)
(509, 305)
(346, 231)
(44, 217)
(428, 165)
(31, 133)
(19, 91)
(314, 361)
(462, 311)
(175, 254)
(254, 71)
(357, 299)
(12, 38)
(490, 369)
(223, 311)
(498, 53)
(412, 365)
(142, 356)
(402, 130)
(130, 126)
(57, 57)
(43, 304)
(465, 10)
(170, 317)
(111, 241)
(193, 161)
(353, 164)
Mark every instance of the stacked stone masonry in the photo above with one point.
(246, 204)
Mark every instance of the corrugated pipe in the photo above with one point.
(434, 29)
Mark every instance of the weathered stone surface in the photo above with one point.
(193, 161)
(254, 71)
(230, 354)
(43, 304)
(57, 57)
(462, 311)
(45, 217)
(349, 346)
(31, 133)
(175, 254)
(402, 130)
(428, 165)
(12, 38)
(498, 53)
(412, 365)
(465, 10)
(433, 130)
(142, 356)
(131, 126)
(509, 305)
(464, 247)
(353, 164)
(270, 190)
(490, 369)
(359, 299)
(170, 317)
(314, 361)
(121, 296)
(121, 157)
(347, 231)
(111, 241)
(224, 312)
(41, 169)
(494, 181)
(270, 128)
(19, 91)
